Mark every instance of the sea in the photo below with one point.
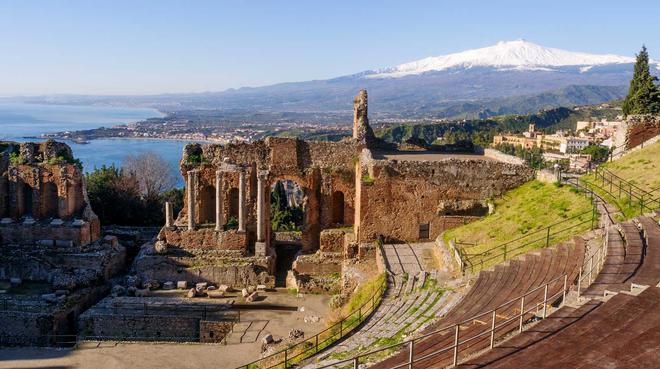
(21, 121)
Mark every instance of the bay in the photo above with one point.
(20, 120)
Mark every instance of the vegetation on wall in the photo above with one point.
(284, 218)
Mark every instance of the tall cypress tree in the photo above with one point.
(643, 94)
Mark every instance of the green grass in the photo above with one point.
(641, 168)
(523, 214)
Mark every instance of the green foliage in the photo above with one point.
(283, 217)
(643, 94)
(232, 223)
(116, 198)
(16, 159)
(533, 156)
(598, 153)
(195, 159)
(367, 180)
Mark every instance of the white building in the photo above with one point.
(573, 144)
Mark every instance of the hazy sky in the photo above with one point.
(140, 47)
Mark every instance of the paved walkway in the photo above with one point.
(410, 258)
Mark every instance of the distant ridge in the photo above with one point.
(518, 54)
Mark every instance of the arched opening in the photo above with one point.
(287, 220)
(49, 200)
(26, 200)
(338, 208)
(206, 204)
(232, 213)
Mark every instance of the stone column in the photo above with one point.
(219, 213)
(261, 224)
(191, 200)
(261, 243)
(241, 200)
(168, 214)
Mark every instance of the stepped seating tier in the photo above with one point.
(649, 272)
(493, 288)
(622, 332)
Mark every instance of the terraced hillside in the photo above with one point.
(520, 223)
(632, 182)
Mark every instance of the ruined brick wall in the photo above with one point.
(24, 328)
(40, 181)
(399, 197)
(640, 128)
(213, 331)
(323, 170)
(151, 326)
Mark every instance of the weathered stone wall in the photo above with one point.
(640, 128)
(212, 331)
(200, 267)
(505, 158)
(397, 197)
(141, 326)
(24, 328)
(332, 240)
(38, 181)
(206, 238)
(79, 235)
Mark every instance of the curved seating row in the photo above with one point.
(622, 332)
(492, 289)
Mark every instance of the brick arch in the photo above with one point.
(49, 200)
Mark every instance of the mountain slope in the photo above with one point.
(510, 77)
(519, 54)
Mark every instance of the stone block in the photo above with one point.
(78, 223)
(46, 243)
(261, 287)
(15, 281)
(244, 292)
(252, 297)
(57, 222)
(215, 294)
(169, 285)
(211, 288)
(29, 221)
(250, 289)
(182, 285)
(49, 297)
(201, 286)
(63, 243)
(6, 221)
(191, 293)
(332, 240)
(61, 292)
(268, 339)
(225, 288)
(110, 240)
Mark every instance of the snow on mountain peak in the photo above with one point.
(518, 54)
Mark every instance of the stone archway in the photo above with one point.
(26, 200)
(49, 200)
(206, 203)
(338, 205)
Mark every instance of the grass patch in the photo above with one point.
(641, 168)
(524, 213)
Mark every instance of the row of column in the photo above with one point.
(192, 183)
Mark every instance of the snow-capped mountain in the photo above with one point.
(509, 77)
(517, 55)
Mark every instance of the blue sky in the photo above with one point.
(142, 47)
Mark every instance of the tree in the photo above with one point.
(598, 153)
(643, 94)
(154, 174)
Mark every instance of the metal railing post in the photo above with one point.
(522, 313)
(591, 267)
(545, 300)
(286, 359)
(411, 348)
(492, 330)
(458, 327)
(563, 298)
(547, 238)
(579, 282)
(356, 362)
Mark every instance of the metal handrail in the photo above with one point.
(374, 301)
(456, 327)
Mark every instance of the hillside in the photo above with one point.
(520, 221)
(481, 131)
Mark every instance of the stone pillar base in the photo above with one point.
(260, 249)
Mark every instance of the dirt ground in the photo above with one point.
(109, 355)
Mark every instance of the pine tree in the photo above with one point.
(643, 94)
